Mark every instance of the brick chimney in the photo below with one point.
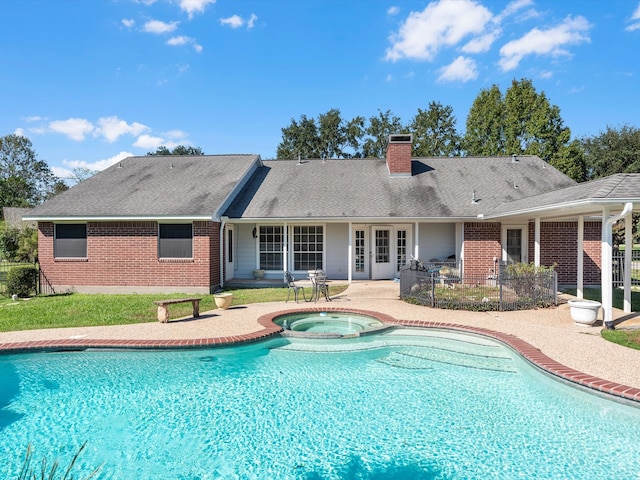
(399, 155)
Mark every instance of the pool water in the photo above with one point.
(405, 404)
(327, 322)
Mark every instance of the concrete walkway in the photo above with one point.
(551, 330)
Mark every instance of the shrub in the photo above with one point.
(525, 278)
(22, 280)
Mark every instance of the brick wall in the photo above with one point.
(124, 255)
(481, 245)
(559, 245)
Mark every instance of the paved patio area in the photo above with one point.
(550, 332)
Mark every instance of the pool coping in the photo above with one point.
(530, 353)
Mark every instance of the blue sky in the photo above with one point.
(92, 81)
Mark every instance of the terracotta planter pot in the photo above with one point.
(223, 300)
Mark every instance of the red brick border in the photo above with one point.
(526, 350)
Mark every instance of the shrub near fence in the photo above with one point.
(510, 290)
(42, 286)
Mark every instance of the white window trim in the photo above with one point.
(524, 254)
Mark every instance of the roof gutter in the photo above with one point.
(556, 206)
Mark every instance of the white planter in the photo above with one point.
(258, 274)
(584, 312)
(223, 300)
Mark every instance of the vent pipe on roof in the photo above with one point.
(514, 158)
(120, 165)
(474, 199)
(299, 160)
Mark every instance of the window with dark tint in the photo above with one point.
(70, 240)
(175, 240)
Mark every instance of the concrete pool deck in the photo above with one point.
(547, 337)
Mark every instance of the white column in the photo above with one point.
(285, 249)
(580, 259)
(628, 247)
(416, 238)
(537, 242)
(606, 260)
(350, 254)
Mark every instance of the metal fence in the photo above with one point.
(43, 286)
(497, 292)
(618, 268)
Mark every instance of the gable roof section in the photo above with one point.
(189, 187)
(440, 188)
(582, 198)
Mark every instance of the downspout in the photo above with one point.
(607, 257)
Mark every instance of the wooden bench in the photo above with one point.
(163, 311)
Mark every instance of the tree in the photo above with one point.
(616, 150)
(179, 150)
(330, 136)
(80, 174)
(378, 131)
(434, 132)
(24, 180)
(612, 151)
(485, 125)
(523, 122)
(299, 140)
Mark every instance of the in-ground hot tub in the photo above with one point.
(328, 324)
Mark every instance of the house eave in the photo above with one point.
(578, 207)
(115, 218)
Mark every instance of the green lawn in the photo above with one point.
(618, 297)
(81, 310)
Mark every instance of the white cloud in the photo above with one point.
(393, 11)
(512, 8)
(545, 74)
(234, 21)
(482, 43)
(19, 132)
(149, 142)
(635, 19)
(74, 128)
(441, 23)
(176, 134)
(159, 27)
(184, 40)
(462, 69)
(34, 118)
(252, 20)
(111, 128)
(127, 22)
(194, 6)
(96, 166)
(545, 42)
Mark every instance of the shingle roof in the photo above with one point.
(440, 187)
(153, 186)
(620, 187)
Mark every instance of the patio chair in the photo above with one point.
(320, 287)
(291, 284)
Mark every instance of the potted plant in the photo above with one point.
(258, 274)
(223, 299)
(584, 312)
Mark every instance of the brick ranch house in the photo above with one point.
(195, 223)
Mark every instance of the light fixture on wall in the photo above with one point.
(255, 233)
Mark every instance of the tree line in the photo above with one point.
(520, 121)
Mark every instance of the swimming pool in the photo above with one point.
(403, 404)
